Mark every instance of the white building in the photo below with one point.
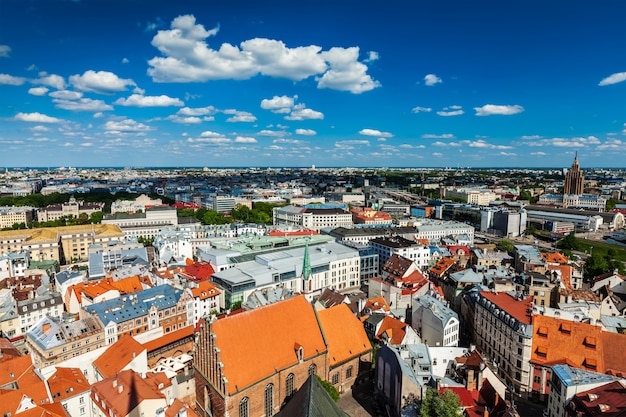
(436, 323)
(131, 206)
(412, 250)
(13, 264)
(173, 246)
(314, 217)
(478, 196)
(435, 231)
(147, 224)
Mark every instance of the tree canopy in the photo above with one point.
(434, 404)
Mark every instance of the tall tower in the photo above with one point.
(574, 179)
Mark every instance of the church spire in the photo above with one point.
(306, 262)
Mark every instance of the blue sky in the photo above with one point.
(326, 83)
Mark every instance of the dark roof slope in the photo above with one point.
(311, 400)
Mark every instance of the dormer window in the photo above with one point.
(299, 352)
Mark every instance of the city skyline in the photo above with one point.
(331, 84)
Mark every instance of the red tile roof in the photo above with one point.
(21, 371)
(394, 329)
(66, 383)
(271, 333)
(123, 392)
(205, 289)
(464, 395)
(200, 271)
(118, 356)
(519, 309)
(555, 257)
(344, 334)
(168, 338)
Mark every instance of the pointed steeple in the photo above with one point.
(306, 262)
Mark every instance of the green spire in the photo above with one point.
(306, 262)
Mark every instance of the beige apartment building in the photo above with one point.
(11, 215)
(62, 244)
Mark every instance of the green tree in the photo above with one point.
(505, 245)
(241, 213)
(330, 388)
(610, 203)
(213, 217)
(96, 217)
(569, 242)
(434, 404)
(531, 230)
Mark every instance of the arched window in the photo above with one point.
(335, 378)
(269, 400)
(312, 369)
(244, 408)
(349, 372)
(290, 387)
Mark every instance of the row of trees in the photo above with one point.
(68, 220)
(262, 213)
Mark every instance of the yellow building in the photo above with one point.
(62, 244)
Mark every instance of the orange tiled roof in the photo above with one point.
(566, 273)
(556, 340)
(271, 333)
(206, 289)
(344, 333)
(21, 370)
(200, 271)
(614, 346)
(424, 242)
(376, 304)
(442, 266)
(174, 409)
(129, 285)
(158, 379)
(123, 392)
(7, 350)
(45, 410)
(555, 257)
(168, 338)
(393, 328)
(118, 356)
(515, 307)
(67, 382)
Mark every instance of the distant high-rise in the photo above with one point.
(574, 179)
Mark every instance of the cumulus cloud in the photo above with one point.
(36, 118)
(611, 144)
(102, 82)
(306, 132)
(198, 111)
(289, 141)
(82, 104)
(433, 136)
(267, 132)
(451, 111)
(138, 100)
(276, 104)
(538, 153)
(210, 134)
(5, 50)
(38, 91)
(7, 79)
(126, 125)
(437, 154)
(443, 144)
(505, 110)
(374, 132)
(409, 146)
(239, 116)
(531, 137)
(421, 109)
(244, 139)
(507, 154)
(125, 61)
(300, 112)
(50, 80)
(66, 95)
(187, 57)
(372, 56)
(618, 77)
(432, 79)
(576, 142)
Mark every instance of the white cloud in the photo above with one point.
(409, 146)
(507, 154)
(346, 73)
(210, 134)
(38, 91)
(281, 105)
(531, 137)
(372, 56)
(433, 136)
(36, 117)
(443, 144)
(490, 109)
(214, 140)
(188, 58)
(576, 142)
(83, 104)
(306, 132)
(451, 111)
(51, 80)
(289, 141)
(612, 144)
(374, 132)
(39, 128)
(267, 132)
(126, 125)
(421, 109)
(538, 153)
(353, 142)
(125, 61)
(432, 79)
(198, 111)
(86, 144)
(239, 116)
(103, 82)
(300, 112)
(274, 148)
(437, 154)
(618, 77)
(5, 50)
(66, 95)
(244, 139)
(7, 79)
(480, 143)
(137, 100)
